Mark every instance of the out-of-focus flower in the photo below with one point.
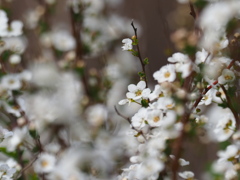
(166, 73)
(97, 114)
(15, 59)
(45, 163)
(226, 77)
(127, 44)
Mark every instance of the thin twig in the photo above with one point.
(28, 165)
(76, 30)
(124, 117)
(192, 12)
(210, 87)
(139, 55)
(128, 120)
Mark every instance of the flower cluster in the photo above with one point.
(62, 116)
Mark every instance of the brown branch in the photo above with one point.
(210, 87)
(177, 147)
(192, 12)
(128, 120)
(139, 55)
(28, 165)
(76, 30)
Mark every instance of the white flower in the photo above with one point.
(97, 114)
(138, 120)
(230, 153)
(231, 174)
(181, 161)
(165, 103)
(15, 28)
(6, 173)
(166, 73)
(45, 163)
(202, 56)
(3, 20)
(11, 81)
(15, 59)
(17, 138)
(226, 127)
(182, 62)
(179, 58)
(226, 77)
(127, 44)
(207, 98)
(63, 40)
(154, 118)
(149, 167)
(186, 175)
(158, 92)
(138, 91)
(4, 133)
(124, 101)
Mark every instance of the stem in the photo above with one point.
(192, 12)
(28, 165)
(209, 87)
(139, 54)
(128, 120)
(76, 29)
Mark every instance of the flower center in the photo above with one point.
(44, 163)
(169, 106)
(138, 93)
(167, 74)
(156, 119)
(227, 77)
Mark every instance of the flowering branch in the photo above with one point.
(139, 55)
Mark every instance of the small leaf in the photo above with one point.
(146, 61)
(144, 103)
(141, 74)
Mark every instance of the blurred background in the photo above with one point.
(156, 20)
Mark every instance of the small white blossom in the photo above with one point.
(45, 163)
(138, 91)
(11, 81)
(225, 127)
(138, 120)
(166, 73)
(127, 44)
(186, 175)
(15, 59)
(154, 118)
(230, 153)
(226, 77)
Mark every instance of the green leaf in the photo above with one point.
(141, 74)
(224, 104)
(135, 42)
(190, 50)
(146, 61)
(33, 177)
(10, 154)
(144, 103)
(200, 4)
(135, 53)
(6, 54)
